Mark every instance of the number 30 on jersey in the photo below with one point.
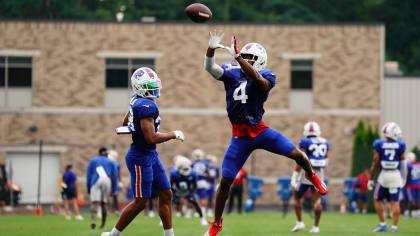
(240, 92)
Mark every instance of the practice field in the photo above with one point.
(261, 224)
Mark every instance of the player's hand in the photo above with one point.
(215, 38)
(233, 50)
(179, 135)
(371, 184)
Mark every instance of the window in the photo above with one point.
(15, 81)
(301, 84)
(118, 79)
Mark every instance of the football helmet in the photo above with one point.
(197, 155)
(411, 157)
(183, 165)
(259, 55)
(113, 155)
(392, 130)
(146, 83)
(311, 129)
(212, 159)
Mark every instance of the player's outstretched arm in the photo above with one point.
(261, 82)
(152, 137)
(209, 60)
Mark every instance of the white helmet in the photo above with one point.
(113, 155)
(183, 165)
(411, 157)
(259, 55)
(197, 155)
(392, 130)
(312, 128)
(212, 159)
(146, 83)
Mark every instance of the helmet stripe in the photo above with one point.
(311, 127)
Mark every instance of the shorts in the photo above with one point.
(146, 175)
(99, 192)
(410, 195)
(210, 192)
(362, 196)
(241, 147)
(68, 193)
(202, 193)
(302, 188)
(390, 194)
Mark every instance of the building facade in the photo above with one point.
(67, 83)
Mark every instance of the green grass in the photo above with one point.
(261, 224)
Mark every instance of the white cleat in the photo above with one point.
(106, 234)
(314, 230)
(178, 214)
(160, 223)
(79, 217)
(68, 217)
(210, 213)
(298, 226)
(204, 222)
(151, 214)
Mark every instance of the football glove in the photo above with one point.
(233, 50)
(179, 135)
(371, 184)
(215, 38)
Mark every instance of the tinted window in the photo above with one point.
(20, 77)
(116, 78)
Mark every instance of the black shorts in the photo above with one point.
(68, 193)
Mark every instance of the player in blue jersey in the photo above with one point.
(214, 174)
(247, 84)
(143, 163)
(184, 184)
(317, 149)
(411, 191)
(389, 158)
(201, 166)
(113, 155)
(101, 180)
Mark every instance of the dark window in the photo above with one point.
(301, 74)
(20, 77)
(119, 71)
(2, 77)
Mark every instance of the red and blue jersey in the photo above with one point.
(244, 101)
(316, 149)
(413, 177)
(390, 153)
(141, 108)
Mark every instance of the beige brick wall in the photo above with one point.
(69, 74)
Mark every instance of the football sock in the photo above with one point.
(115, 232)
(168, 232)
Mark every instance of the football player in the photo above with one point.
(412, 187)
(247, 84)
(184, 185)
(389, 158)
(201, 166)
(317, 149)
(145, 167)
(214, 173)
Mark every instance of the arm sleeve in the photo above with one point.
(377, 146)
(303, 144)
(215, 70)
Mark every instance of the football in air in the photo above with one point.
(198, 12)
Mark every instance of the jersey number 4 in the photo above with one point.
(240, 92)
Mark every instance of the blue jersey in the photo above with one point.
(413, 177)
(390, 153)
(316, 149)
(101, 167)
(183, 185)
(141, 108)
(214, 173)
(201, 168)
(69, 177)
(244, 100)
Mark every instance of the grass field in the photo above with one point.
(261, 224)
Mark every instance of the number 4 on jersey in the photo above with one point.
(240, 92)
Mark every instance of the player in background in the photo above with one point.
(247, 84)
(143, 162)
(317, 149)
(411, 191)
(362, 195)
(113, 155)
(201, 166)
(101, 180)
(184, 185)
(214, 174)
(389, 158)
(69, 192)
(237, 191)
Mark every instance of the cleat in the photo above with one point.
(314, 230)
(68, 217)
(79, 217)
(394, 230)
(298, 226)
(93, 226)
(214, 228)
(106, 234)
(204, 222)
(318, 183)
(381, 228)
